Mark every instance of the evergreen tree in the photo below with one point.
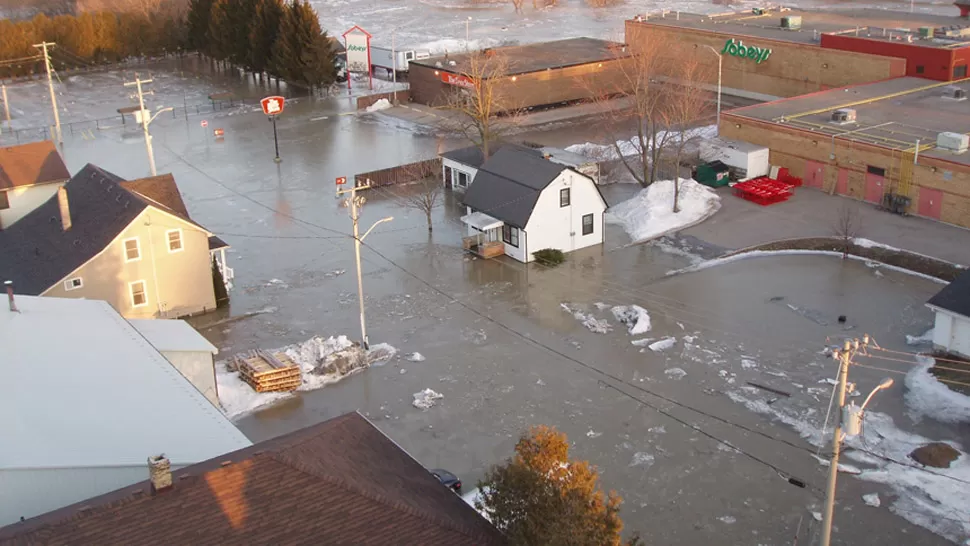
(200, 11)
(220, 39)
(241, 21)
(264, 32)
(302, 55)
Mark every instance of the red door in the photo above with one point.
(814, 174)
(875, 179)
(842, 188)
(930, 203)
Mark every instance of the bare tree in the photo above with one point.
(418, 188)
(686, 102)
(517, 4)
(603, 3)
(481, 102)
(633, 100)
(847, 227)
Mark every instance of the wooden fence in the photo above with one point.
(402, 174)
(369, 100)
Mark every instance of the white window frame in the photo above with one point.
(69, 284)
(131, 293)
(124, 248)
(168, 241)
(459, 174)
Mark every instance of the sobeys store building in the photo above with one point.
(776, 54)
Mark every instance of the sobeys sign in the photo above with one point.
(738, 49)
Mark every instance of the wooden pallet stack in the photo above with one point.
(266, 372)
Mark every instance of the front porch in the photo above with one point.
(485, 239)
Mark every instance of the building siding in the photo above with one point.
(177, 284)
(552, 226)
(470, 171)
(199, 369)
(952, 333)
(937, 63)
(797, 149)
(24, 200)
(792, 69)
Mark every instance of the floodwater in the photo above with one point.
(500, 347)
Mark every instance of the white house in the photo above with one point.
(29, 175)
(459, 167)
(521, 202)
(86, 400)
(951, 332)
(184, 348)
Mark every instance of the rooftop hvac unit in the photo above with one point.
(925, 32)
(791, 22)
(954, 142)
(844, 115)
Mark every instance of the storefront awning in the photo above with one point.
(480, 221)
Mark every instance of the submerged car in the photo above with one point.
(447, 479)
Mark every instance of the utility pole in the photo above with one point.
(50, 86)
(6, 103)
(394, 63)
(467, 22)
(146, 119)
(355, 203)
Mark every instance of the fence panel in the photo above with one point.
(402, 174)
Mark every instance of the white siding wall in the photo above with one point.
(32, 492)
(519, 253)
(470, 171)
(552, 226)
(198, 368)
(24, 200)
(952, 333)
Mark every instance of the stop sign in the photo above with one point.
(272, 106)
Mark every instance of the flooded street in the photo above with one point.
(672, 421)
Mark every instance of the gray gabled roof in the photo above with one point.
(37, 252)
(955, 297)
(471, 156)
(508, 185)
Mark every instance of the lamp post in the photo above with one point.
(719, 59)
(467, 22)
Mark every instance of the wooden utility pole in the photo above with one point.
(50, 85)
(144, 120)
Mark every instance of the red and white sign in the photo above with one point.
(218, 133)
(272, 106)
(458, 80)
(341, 180)
(204, 123)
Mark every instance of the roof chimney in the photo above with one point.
(13, 304)
(160, 473)
(65, 207)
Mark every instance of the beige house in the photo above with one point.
(101, 238)
(29, 175)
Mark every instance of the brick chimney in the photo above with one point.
(160, 473)
(10, 300)
(65, 207)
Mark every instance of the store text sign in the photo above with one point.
(737, 48)
(457, 79)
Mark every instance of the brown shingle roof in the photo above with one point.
(161, 189)
(339, 482)
(31, 164)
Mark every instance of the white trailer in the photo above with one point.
(750, 159)
(381, 57)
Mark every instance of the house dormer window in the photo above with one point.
(564, 197)
(132, 249)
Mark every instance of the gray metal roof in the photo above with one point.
(955, 297)
(508, 185)
(471, 156)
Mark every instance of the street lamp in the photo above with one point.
(360, 279)
(145, 121)
(719, 59)
(467, 22)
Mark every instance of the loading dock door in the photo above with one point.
(814, 174)
(842, 188)
(930, 203)
(875, 180)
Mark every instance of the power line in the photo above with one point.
(924, 355)
(890, 370)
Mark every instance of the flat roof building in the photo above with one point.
(900, 143)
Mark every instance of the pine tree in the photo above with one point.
(200, 12)
(220, 39)
(265, 30)
(542, 497)
(302, 55)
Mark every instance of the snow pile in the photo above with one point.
(416, 357)
(631, 147)
(426, 399)
(593, 324)
(927, 337)
(663, 344)
(926, 396)
(649, 214)
(634, 317)
(237, 398)
(382, 104)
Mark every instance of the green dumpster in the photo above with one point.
(713, 174)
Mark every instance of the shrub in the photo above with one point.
(549, 256)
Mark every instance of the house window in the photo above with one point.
(587, 224)
(510, 235)
(174, 237)
(4, 202)
(920, 68)
(73, 284)
(138, 295)
(960, 72)
(564, 197)
(132, 250)
(462, 179)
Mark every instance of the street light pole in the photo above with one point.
(719, 59)
(394, 63)
(467, 22)
(146, 120)
(354, 203)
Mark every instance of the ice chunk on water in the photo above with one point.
(634, 317)
(872, 499)
(416, 357)
(426, 399)
(663, 344)
(675, 373)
